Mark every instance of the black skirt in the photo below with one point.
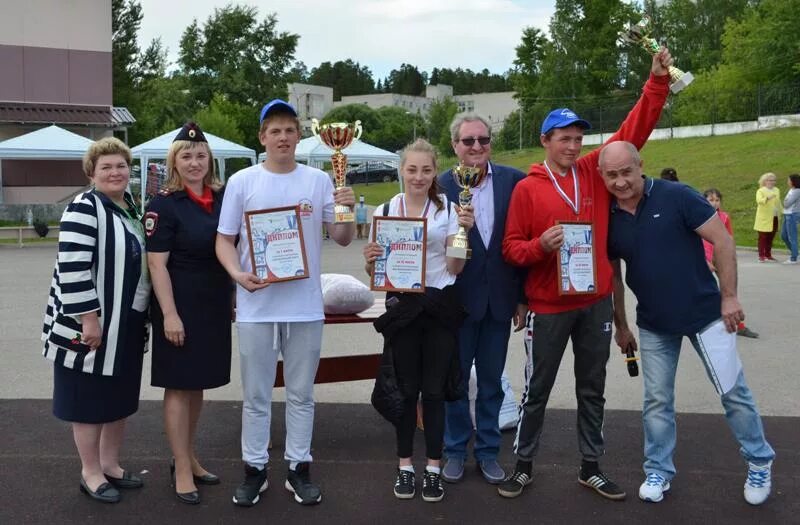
(79, 397)
(203, 301)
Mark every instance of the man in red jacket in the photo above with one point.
(573, 299)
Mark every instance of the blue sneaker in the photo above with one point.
(653, 488)
(453, 470)
(492, 472)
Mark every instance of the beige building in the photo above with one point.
(55, 68)
(310, 102)
(493, 106)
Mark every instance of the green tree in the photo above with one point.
(126, 19)
(408, 80)
(222, 118)
(345, 77)
(235, 54)
(440, 115)
(508, 138)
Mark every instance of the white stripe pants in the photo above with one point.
(259, 345)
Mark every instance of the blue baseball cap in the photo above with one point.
(275, 104)
(561, 118)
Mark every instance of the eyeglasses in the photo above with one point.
(471, 140)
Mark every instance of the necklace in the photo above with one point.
(403, 206)
(575, 205)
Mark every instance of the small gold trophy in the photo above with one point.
(467, 177)
(337, 136)
(639, 34)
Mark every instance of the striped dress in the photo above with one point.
(99, 268)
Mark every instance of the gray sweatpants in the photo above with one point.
(259, 345)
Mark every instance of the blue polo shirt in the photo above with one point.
(665, 264)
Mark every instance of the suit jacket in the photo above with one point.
(488, 282)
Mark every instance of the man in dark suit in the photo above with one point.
(491, 291)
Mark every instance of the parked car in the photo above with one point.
(373, 171)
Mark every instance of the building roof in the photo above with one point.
(65, 114)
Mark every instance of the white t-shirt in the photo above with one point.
(440, 225)
(255, 188)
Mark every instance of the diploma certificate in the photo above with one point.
(277, 252)
(401, 268)
(577, 272)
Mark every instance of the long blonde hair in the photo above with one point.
(174, 181)
(423, 146)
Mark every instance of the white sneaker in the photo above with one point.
(758, 484)
(789, 261)
(653, 488)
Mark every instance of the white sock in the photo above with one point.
(293, 465)
(435, 470)
(408, 468)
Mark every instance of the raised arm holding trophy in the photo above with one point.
(338, 136)
(639, 34)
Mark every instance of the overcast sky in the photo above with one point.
(381, 34)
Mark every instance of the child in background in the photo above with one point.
(714, 197)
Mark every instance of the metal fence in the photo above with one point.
(684, 109)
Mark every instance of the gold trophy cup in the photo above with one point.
(337, 136)
(467, 177)
(639, 34)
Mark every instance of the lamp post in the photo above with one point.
(415, 125)
(520, 127)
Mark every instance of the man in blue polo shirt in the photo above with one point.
(657, 228)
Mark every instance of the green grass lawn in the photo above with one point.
(732, 164)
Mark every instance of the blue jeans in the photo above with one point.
(485, 342)
(789, 233)
(659, 353)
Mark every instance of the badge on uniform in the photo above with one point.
(150, 223)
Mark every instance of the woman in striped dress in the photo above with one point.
(94, 326)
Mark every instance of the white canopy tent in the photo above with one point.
(50, 143)
(157, 149)
(314, 153)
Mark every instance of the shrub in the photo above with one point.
(41, 227)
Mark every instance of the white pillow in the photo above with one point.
(344, 294)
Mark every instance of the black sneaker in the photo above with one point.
(432, 490)
(594, 479)
(255, 482)
(404, 484)
(298, 481)
(512, 486)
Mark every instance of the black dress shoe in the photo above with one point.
(206, 479)
(105, 492)
(190, 498)
(127, 481)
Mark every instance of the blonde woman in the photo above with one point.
(768, 201)
(422, 329)
(191, 313)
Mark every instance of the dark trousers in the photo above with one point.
(423, 352)
(590, 331)
(765, 241)
(486, 343)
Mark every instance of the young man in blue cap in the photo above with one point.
(569, 188)
(284, 317)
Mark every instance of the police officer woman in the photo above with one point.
(191, 313)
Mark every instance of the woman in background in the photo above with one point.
(791, 217)
(94, 325)
(768, 207)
